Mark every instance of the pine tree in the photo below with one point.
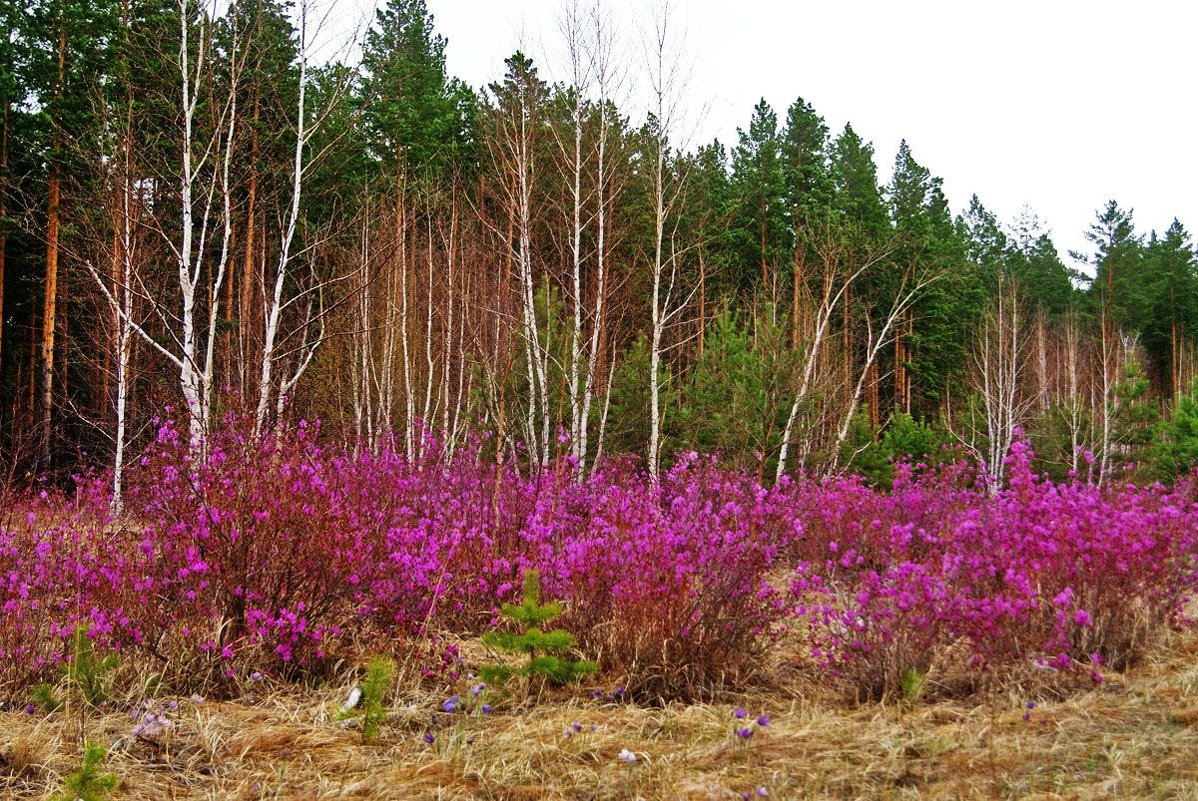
(418, 119)
(1176, 448)
(736, 401)
(1171, 323)
(706, 214)
(10, 93)
(858, 198)
(1134, 421)
(1049, 284)
(985, 242)
(1115, 292)
(71, 62)
(87, 783)
(930, 344)
(809, 198)
(762, 235)
(545, 649)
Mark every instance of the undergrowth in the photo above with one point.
(285, 555)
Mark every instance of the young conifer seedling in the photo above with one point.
(84, 672)
(87, 783)
(370, 703)
(545, 649)
(87, 672)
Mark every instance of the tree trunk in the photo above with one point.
(900, 371)
(3, 221)
(49, 317)
(50, 298)
(796, 285)
(248, 266)
(846, 339)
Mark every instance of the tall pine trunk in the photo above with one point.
(50, 298)
(249, 265)
(3, 219)
(49, 317)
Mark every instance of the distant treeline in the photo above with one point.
(197, 219)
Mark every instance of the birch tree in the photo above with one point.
(666, 82)
(837, 276)
(881, 330)
(513, 146)
(999, 361)
(203, 194)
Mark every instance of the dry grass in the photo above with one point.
(1134, 736)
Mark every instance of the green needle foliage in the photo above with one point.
(545, 649)
(44, 697)
(1176, 449)
(380, 672)
(912, 682)
(87, 783)
(84, 672)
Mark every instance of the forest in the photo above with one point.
(198, 216)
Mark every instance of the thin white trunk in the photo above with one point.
(271, 328)
(195, 378)
(451, 301)
(536, 353)
(125, 328)
(577, 422)
(661, 78)
(1075, 408)
(188, 380)
(426, 415)
(999, 362)
(1108, 400)
(874, 344)
(829, 302)
(405, 349)
(386, 376)
(361, 364)
(603, 416)
(601, 59)
(570, 24)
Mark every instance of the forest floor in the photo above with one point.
(1134, 735)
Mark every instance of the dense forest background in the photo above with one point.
(199, 219)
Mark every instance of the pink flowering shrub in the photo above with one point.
(273, 552)
(281, 555)
(669, 584)
(252, 548)
(1043, 573)
(60, 567)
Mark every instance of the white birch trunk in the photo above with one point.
(271, 327)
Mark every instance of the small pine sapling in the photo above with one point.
(544, 649)
(87, 783)
(84, 672)
(44, 698)
(370, 703)
(912, 684)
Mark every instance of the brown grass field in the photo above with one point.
(1135, 735)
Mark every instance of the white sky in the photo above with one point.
(1057, 104)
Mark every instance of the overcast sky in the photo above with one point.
(1056, 104)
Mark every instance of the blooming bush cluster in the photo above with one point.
(281, 554)
(1055, 575)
